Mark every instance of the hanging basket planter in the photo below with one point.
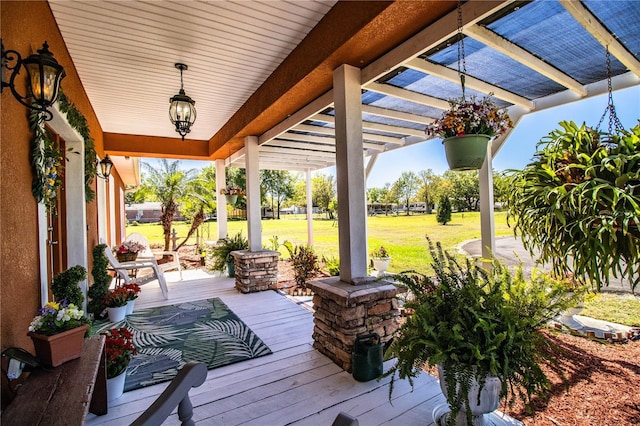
(231, 199)
(466, 152)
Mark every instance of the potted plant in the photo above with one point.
(221, 252)
(65, 285)
(231, 192)
(481, 328)
(576, 204)
(119, 349)
(381, 259)
(58, 333)
(116, 303)
(133, 290)
(466, 128)
(128, 251)
(101, 281)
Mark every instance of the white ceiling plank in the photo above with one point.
(585, 18)
(471, 82)
(513, 51)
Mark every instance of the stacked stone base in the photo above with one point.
(344, 311)
(255, 271)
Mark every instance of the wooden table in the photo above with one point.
(64, 395)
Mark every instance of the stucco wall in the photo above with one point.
(24, 27)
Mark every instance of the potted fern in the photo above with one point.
(481, 329)
(221, 252)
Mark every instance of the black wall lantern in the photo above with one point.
(43, 76)
(182, 110)
(105, 167)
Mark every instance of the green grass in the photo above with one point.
(403, 236)
(621, 309)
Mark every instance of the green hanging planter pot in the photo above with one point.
(466, 152)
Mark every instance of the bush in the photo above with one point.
(305, 262)
(444, 210)
(65, 285)
(332, 265)
(101, 281)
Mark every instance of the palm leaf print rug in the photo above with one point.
(168, 337)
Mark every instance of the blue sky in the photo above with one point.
(517, 151)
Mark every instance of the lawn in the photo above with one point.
(403, 236)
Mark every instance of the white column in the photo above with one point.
(221, 200)
(352, 215)
(487, 224)
(309, 210)
(76, 210)
(252, 168)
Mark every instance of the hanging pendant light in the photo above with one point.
(182, 111)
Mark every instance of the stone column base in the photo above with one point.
(255, 271)
(344, 311)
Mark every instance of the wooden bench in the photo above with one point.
(64, 395)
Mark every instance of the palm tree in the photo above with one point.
(169, 184)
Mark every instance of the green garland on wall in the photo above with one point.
(47, 160)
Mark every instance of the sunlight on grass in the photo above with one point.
(621, 309)
(403, 236)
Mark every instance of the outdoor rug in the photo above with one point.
(168, 337)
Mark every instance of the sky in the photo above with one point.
(517, 151)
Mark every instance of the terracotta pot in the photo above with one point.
(466, 152)
(115, 386)
(55, 350)
(117, 314)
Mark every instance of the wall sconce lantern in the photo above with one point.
(105, 167)
(182, 110)
(43, 78)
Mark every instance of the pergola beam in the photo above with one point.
(517, 53)
(408, 95)
(397, 115)
(447, 73)
(590, 23)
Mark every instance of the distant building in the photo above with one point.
(147, 212)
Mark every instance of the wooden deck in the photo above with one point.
(294, 385)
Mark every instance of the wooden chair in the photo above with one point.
(191, 375)
(123, 268)
(148, 253)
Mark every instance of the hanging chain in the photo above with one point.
(614, 121)
(462, 65)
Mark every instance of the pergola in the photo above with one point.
(306, 85)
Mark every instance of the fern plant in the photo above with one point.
(477, 323)
(221, 252)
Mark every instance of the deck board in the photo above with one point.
(294, 385)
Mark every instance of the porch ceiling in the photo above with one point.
(265, 67)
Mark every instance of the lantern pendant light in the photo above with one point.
(182, 111)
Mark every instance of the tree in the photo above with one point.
(427, 179)
(168, 184)
(323, 191)
(444, 210)
(407, 187)
(279, 185)
(465, 189)
(200, 199)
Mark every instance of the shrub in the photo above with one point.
(332, 265)
(65, 285)
(101, 281)
(444, 210)
(305, 262)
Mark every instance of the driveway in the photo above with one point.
(511, 251)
